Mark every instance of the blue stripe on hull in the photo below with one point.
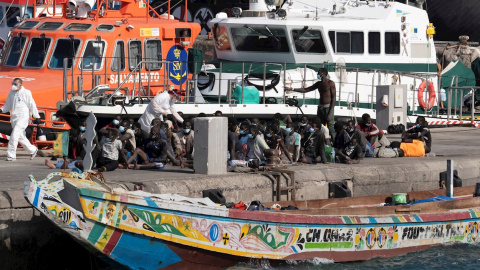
(35, 200)
(141, 252)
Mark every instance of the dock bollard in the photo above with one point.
(477, 190)
(450, 166)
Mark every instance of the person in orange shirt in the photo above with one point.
(413, 148)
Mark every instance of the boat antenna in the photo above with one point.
(316, 10)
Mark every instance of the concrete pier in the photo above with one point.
(372, 176)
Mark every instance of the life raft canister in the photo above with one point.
(431, 95)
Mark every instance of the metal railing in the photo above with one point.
(142, 84)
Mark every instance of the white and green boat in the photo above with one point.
(279, 44)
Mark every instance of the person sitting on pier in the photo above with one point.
(282, 120)
(218, 114)
(155, 152)
(342, 139)
(419, 131)
(353, 132)
(292, 142)
(243, 132)
(351, 154)
(303, 127)
(115, 122)
(314, 147)
(127, 135)
(235, 148)
(140, 135)
(413, 148)
(372, 133)
(275, 141)
(256, 145)
(186, 137)
(174, 149)
(111, 150)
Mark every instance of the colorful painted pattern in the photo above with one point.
(121, 225)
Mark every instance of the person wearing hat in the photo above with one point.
(158, 108)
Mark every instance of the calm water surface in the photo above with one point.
(438, 257)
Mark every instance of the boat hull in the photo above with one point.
(155, 232)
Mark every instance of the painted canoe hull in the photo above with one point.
(148, 232)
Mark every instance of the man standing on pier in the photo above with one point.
(328, 93)
(22, 105)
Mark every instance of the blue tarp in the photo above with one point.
(434, 199)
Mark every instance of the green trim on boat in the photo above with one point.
(236, 67)
(328, 245)
(90, 193)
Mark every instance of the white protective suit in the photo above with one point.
(21, 103)
(159, 104)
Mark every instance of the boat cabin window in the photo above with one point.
(105, 28)
(50, 26)
(64, 48)
(11, 17)
(28, 13)
(93, 54)
(343, 42)
(374, 42)
(37, 52)
(15, 51)
(118, 60)
(310, 41)
(392, 43)
(80, 27)
(331, 35)
(260, 39)
(347, 42)
(357, 43)
(28, 24)
(153, 52)
(134, 53)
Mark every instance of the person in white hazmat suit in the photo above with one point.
(158, 108)
(22, 105)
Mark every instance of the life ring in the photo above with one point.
(431, 95)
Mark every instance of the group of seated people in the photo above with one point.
(309, 141)
(123, 143)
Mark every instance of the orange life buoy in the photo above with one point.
(431, 95)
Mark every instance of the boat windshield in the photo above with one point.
(15, 51)
(309, 41)
(260, 39)
(93, 54)
(37, 52)
(65, 48)
(28, 25)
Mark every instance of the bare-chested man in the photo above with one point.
(328, 93)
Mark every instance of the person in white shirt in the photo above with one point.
(21, 104)
(158, 108)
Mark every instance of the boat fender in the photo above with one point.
(275, 79)
(431, 95)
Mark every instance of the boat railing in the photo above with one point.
(142, 85)
(456, 96)
(100, 74)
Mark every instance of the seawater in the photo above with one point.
(458, 256)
